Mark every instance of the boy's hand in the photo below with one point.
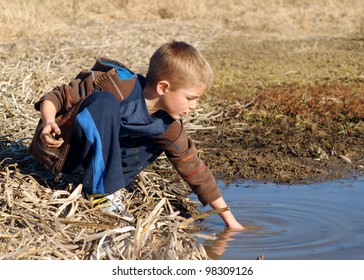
(227, 216)
(234, 225)
(49, 135)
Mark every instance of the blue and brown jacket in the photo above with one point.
(174, 142)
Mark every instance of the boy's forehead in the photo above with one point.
(195, 91)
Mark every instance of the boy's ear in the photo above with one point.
(162, 87)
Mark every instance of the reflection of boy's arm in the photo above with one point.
(219, 245)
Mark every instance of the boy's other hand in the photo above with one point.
(49, 135)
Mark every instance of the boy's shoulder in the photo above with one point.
(109, 75)
(105, 64)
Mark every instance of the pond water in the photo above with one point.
(320, 221)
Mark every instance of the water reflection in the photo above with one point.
(316, 221)
(218, 246)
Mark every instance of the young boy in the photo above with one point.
(112, 123)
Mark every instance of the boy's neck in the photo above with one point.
(151, 100)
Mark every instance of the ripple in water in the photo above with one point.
(316, 221)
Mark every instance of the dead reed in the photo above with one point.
(40, 222)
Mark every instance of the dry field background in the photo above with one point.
(44, 43)
(251, 45)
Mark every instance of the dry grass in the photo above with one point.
(44, 43)
(40, 223)
(288, 18)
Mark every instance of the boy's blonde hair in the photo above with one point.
(181, 64)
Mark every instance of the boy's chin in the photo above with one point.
(176, 117)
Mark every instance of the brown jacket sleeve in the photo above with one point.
(63, 97)
(182, 153)
(99, 77)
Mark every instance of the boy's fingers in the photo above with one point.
(53, 142)
(53, 137)
(55, 128)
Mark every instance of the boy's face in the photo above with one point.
(178, 103)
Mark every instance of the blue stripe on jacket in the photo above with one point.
(85, 120)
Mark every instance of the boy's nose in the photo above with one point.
(193, 104)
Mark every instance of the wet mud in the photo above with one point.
(285, 111)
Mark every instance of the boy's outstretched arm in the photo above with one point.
(226, 216)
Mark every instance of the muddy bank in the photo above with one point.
(283, 147)
(285, 111)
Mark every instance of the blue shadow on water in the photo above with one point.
(318, 221)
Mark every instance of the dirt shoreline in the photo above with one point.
(300, 117)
